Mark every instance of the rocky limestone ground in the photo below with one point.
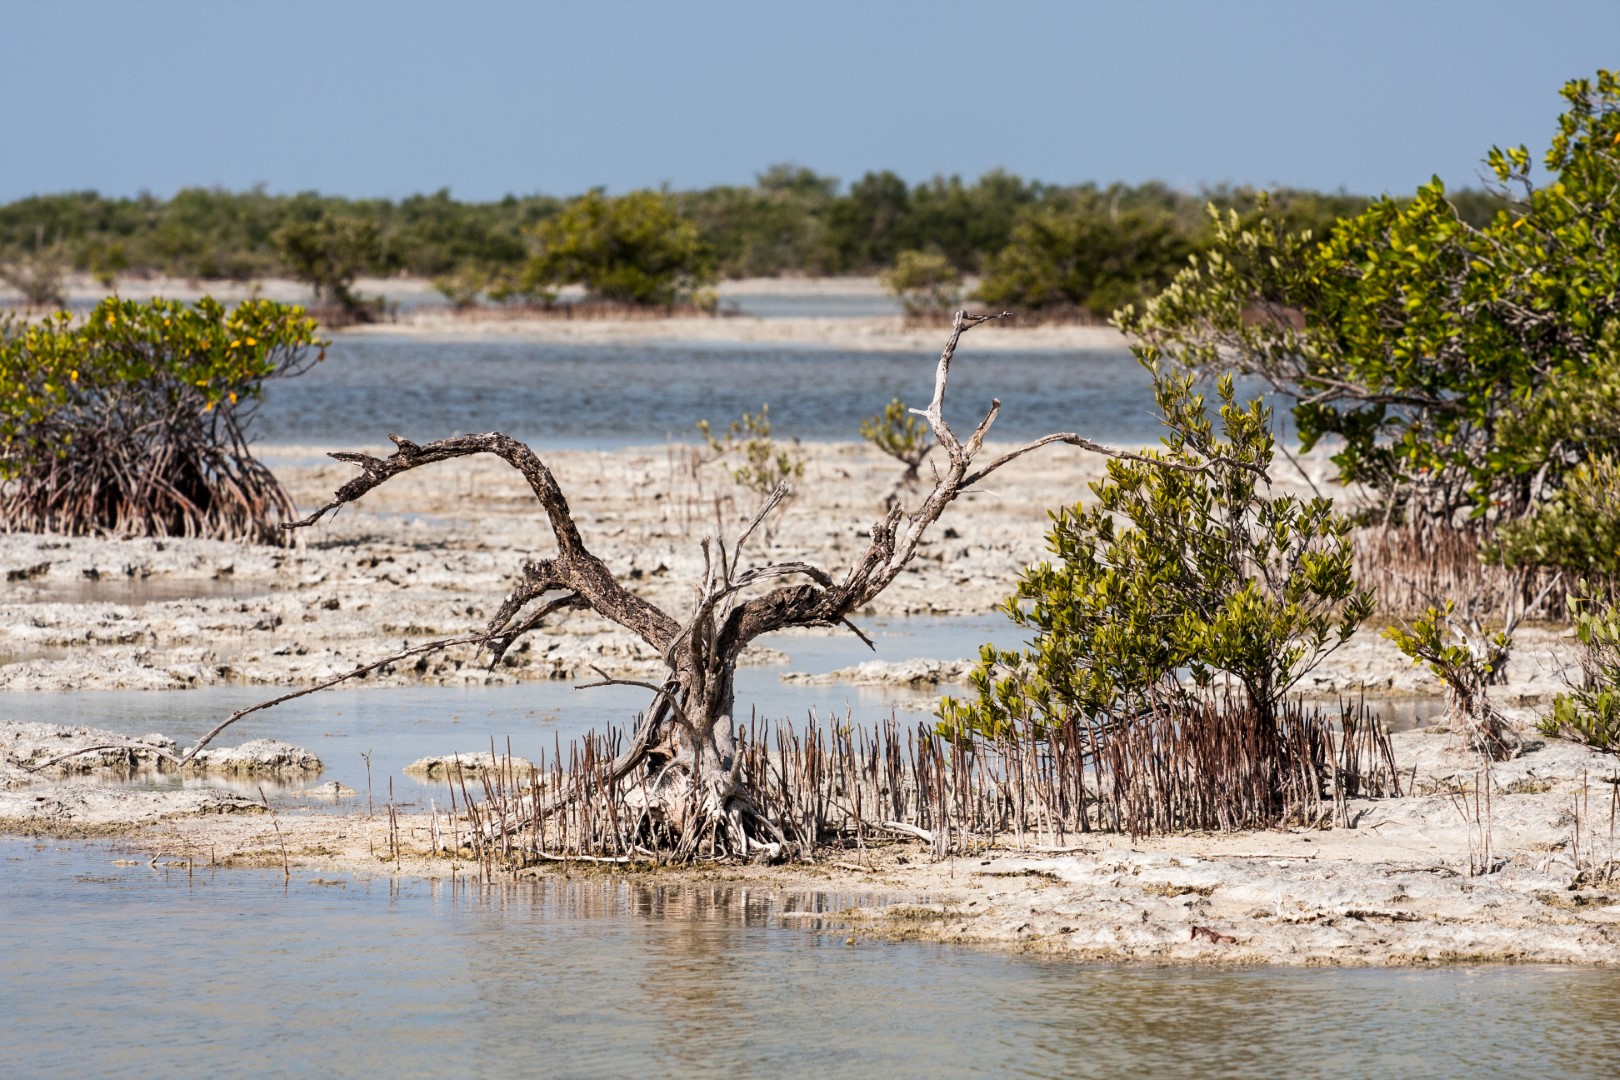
(1527, 873)
(1447, 873)
(432, 553)
(33, 752)
(81, 781)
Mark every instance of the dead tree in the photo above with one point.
(685, 752)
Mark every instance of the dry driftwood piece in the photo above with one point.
(693, 795)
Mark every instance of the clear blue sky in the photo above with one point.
(366, 97)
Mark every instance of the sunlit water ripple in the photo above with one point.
(139, 971)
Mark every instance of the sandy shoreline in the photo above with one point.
(861, 333)
(430, 554)
(423, 313)
(1395, 889)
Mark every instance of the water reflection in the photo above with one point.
(157, 972)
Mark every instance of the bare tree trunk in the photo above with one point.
(686, 751)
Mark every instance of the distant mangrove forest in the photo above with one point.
(1081, 249)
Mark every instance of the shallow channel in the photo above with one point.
(134, 970)
(394, 726)
(366, 736)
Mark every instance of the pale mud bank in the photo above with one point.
(471, 764)
(1426, 878)
(33, 753)
(421, 311)
(1528, 875)
(432, 553)
(860, 333)
(81, 781)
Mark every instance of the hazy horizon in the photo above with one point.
(749, 180)
(375, 99)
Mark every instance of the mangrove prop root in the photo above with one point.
(688, 784)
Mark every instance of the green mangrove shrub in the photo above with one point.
(903, 436)
(134, 421)
(1081, 254)
(1459, 651)
(38, 277)
(635, 249)
(1184, 562)
(1590, 712)
(464, 286)
(761, 464)
(1414, 333)
(925, 282)
(327, 254)
(1577, 530)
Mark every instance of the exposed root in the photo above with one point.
(688, 787)
(794, 794)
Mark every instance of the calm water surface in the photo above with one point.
(593, 395)
(397, 725)
(134, 971)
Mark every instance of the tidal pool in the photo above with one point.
(397, 725)
(134, 971)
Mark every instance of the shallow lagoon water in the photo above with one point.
(140, 971)
(593, 395)
(397, 725)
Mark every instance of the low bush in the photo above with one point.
(1462, 653)
(634, 249)
(1590, 712)
(761, 464)
(924, 282)
(1577, 530)
(902, 435)
(38, 278)
(1184, 563)
(134, 421)
(327, 254)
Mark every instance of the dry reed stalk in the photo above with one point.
(1217, 765)
(1474, 807)
(286, 865)
(1413, 569)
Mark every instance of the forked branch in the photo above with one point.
(687, 741)
(895, 539)
(574, 569)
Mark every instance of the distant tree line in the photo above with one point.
(1033, 245)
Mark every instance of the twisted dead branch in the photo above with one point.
(693, 789)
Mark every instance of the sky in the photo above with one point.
(393, 97)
